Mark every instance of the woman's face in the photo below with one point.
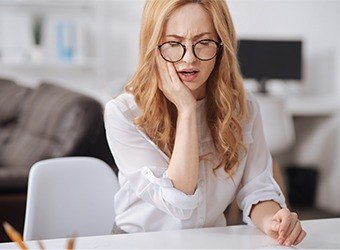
(188, 25)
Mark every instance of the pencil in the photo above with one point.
(14, 235)
(41, 245)
(70, 244)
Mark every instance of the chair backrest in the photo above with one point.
(278, 123)
(70, 196)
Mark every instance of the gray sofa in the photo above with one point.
(40, 123)
(46, 122)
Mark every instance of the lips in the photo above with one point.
(188, 75)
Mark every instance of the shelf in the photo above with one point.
(77, 25)
(77, 4)
(49, 65)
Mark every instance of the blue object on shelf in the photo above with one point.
(66, 40)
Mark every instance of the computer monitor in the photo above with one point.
(270, 59)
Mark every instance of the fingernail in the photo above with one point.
(280, 241)
(287, 243)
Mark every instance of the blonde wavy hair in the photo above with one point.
(226, 104)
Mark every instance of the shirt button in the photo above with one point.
(200, 221)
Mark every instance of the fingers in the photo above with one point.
(301, 236)
(292, 220)
(176, 84)
(275, 226)
(162, 71)
(167, 73)
(289, 230)
(284, 217)
(294, 234)
(171, 85)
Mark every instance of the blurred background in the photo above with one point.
(91, 47)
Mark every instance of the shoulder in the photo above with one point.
(122, 107)
(253, 113)
(123, 102)
(252, 104)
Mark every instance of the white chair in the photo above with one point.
(278, 123)
(71, 196)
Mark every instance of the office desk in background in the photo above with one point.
(317, 145)
(313, 105)
(323, 234)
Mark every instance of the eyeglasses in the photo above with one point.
(203, 50)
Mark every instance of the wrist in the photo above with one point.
(262, 214)
(187, 111)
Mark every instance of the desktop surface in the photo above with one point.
(313, 105)
(323, 233)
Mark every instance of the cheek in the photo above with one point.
(208, 68)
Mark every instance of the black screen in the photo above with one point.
(268, 59)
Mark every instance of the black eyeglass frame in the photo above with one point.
(218, 44)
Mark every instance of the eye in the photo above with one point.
(205, 42)
(173, 44)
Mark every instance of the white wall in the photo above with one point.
(122, 45)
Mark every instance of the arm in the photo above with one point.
(183, 166)
(260, 197)
(234, 211)
(263, 212)
(184, 162)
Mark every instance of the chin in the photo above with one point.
(196, 89)
(193, 85)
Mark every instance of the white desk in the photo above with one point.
(313, 105)
(320, 234)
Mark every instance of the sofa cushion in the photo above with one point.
(55, 122)
(12, 99)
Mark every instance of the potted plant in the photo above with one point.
(37, 32)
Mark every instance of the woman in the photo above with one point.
(186, 136)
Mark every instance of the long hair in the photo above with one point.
(226, 104)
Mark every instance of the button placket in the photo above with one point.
(201, 184)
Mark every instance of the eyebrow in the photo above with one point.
(195, 37)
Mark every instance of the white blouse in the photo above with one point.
(147, 200)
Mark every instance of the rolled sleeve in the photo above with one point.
(261, 188)
(174, 201)
(257, 182)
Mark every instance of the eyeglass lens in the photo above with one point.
(174, 51)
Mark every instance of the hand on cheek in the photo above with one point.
(171, 86)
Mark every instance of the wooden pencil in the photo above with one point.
(14, 235)
(70, 244)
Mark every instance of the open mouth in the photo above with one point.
(188, 75)
(188, 72)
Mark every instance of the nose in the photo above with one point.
(189, 56)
